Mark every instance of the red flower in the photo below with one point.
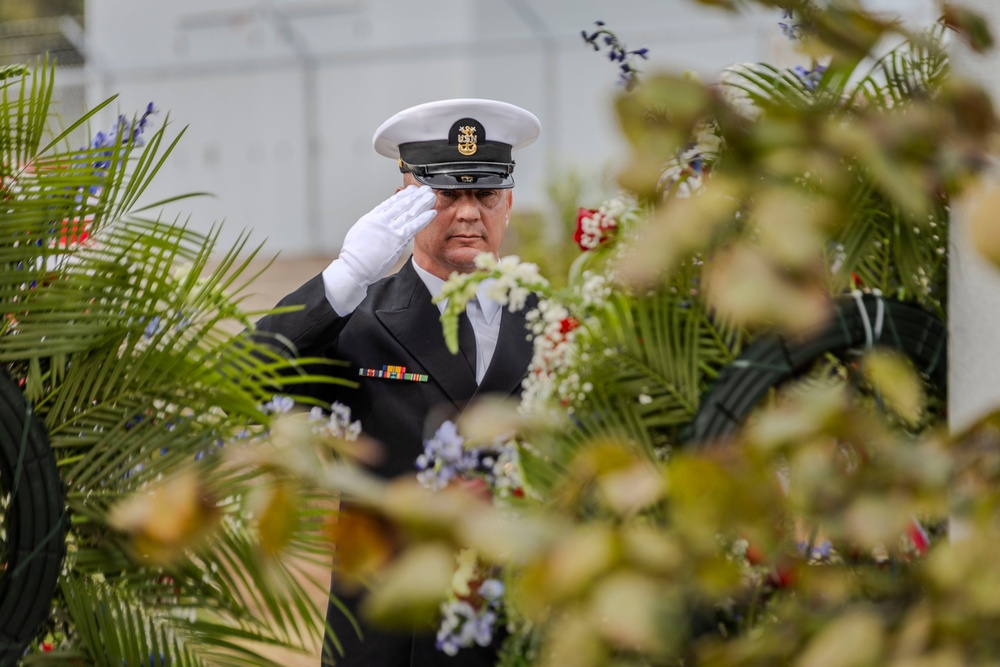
(784, 575)
(919, 537)
(568, 325)
(581, 215)
(754, 555)
(592, 228)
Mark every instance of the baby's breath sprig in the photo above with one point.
(508, 281)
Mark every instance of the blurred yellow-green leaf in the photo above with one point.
(579, 558)
(984, 221)
(745, 287)
(679, 228)
(854, 639)
(165, 519)
(897, 383)
(410, 591)
(626, 607)
(571, 640)
(873, 521)
(792, 225)
(363, 544)
(277, 514)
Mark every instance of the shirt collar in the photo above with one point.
(431, 282)
(489, 306)
(434, 285)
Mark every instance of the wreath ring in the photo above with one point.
(859, 320)
(35, 521)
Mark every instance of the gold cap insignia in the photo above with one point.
(467, 139)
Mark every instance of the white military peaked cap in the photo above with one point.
(458, 144)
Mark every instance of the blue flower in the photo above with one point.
(793, 31)
(617, 53)
(810, 78)
(819, 552)
(482, 628)
(124, 130)
(462, 626)
(445, 457)
(154, 327)
(278, 405)
(491, 590)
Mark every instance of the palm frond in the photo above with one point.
(666, 347)
(115, 629)
(768, 86)
(121, 339)
(914, 70)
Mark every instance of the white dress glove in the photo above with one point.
(374, 244)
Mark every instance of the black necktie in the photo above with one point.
(467, 340)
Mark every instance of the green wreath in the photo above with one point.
(859, 320)
(35, 522)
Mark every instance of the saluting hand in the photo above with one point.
(375, 243)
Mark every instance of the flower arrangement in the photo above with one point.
(815, 533)
(810, 532)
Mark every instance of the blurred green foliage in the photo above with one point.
(15, 10)
(814, 536)
(842, 524)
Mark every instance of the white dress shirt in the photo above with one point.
(484, 313)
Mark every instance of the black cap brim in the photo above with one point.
(463, 175)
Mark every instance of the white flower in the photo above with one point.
(337, 425)
(595, 289)
(551, 373)
(279, 405)
(497, 290)
(615, 208)
(509, 282)
(486, 261)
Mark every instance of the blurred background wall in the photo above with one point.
(280, 97)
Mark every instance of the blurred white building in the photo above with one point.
(280, 97)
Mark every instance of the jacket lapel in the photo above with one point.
(415, 323)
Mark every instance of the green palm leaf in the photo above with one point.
(124, 347)
(667, 347)
(768, 86)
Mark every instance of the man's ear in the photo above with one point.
(510, 200)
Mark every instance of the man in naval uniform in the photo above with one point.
(455, 157)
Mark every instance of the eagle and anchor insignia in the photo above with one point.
(467, 139)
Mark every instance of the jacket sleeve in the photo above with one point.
(308, 328)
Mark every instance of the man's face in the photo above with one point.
(468, 222)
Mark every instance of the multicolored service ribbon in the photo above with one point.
(392, 373)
